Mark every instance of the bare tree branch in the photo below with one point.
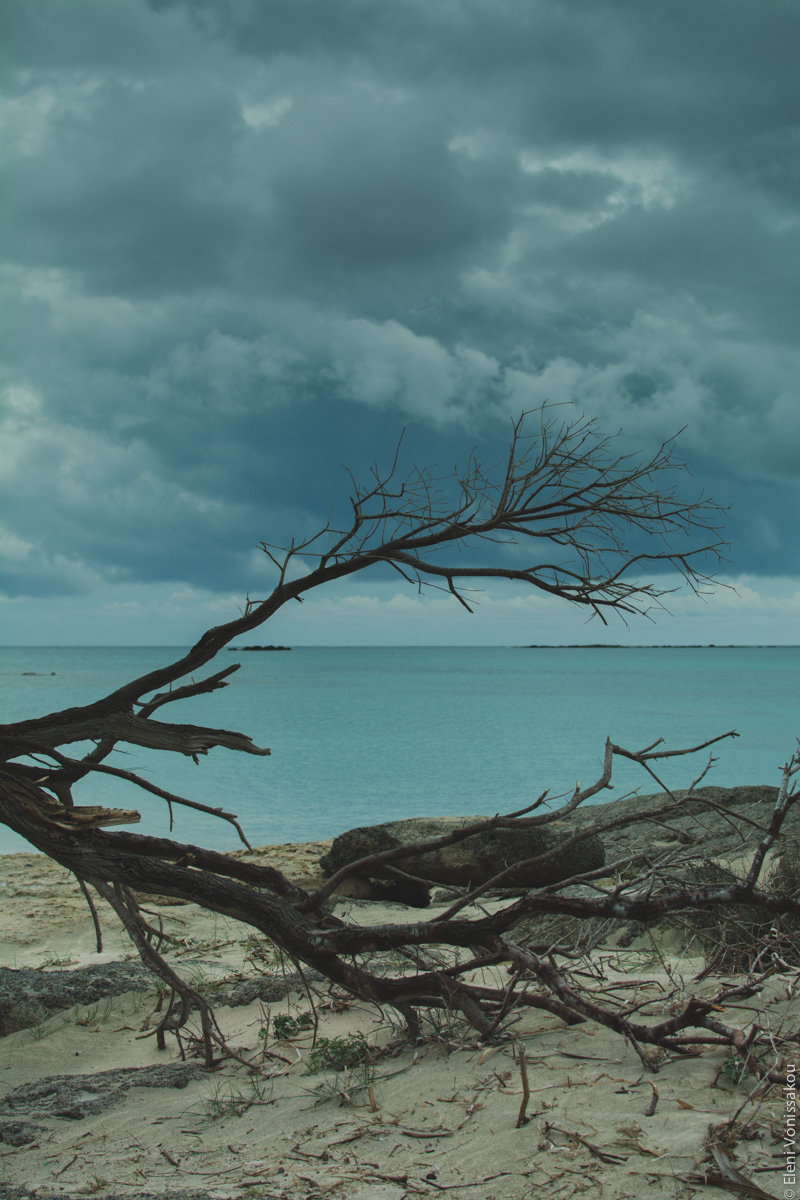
(610, 517)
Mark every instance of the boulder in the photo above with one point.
(472, 861)
(720, 822)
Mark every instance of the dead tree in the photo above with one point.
(564, 487)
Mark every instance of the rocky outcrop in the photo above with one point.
(20, 1133)
(472, 861)
(29, 996)
(715, 822)
(79, 1096)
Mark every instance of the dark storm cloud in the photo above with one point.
(251, 241)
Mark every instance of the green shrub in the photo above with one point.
(335, 1054)
(284, 1026)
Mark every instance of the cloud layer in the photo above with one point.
(251, 242)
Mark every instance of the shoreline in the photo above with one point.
(723, 824)
(90, 1106)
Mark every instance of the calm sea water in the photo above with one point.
(367, 734)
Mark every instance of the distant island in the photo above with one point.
(236, 649)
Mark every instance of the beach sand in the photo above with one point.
(441, 1116)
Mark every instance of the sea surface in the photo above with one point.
(368, 734)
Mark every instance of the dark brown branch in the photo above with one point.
(49, 779)
(30, 737)
(130, 862)
(98, 932)
(189, 690)
(560, 485)
(565, 485)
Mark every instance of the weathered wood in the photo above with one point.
(76, 725)
(563, 486)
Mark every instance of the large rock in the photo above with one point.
(472, 861)
(719, 822)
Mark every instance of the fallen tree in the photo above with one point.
(565, 487)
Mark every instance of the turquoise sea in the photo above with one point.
(367, 734)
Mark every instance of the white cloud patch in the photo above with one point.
(381, 364)
(649, 181)
(267, 113)
(42, 570)
(21, 406)
(378, 364)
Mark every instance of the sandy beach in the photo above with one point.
(406, 1120)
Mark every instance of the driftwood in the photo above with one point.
(299, 923)
(563, 487)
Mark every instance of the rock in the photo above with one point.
(79, 1096)
(412, 893)
(20, 1133)
(474, 860)
(715, 821)
(11, 1192)
(266, 988)
(28, 996)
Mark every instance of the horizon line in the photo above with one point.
(417, 646)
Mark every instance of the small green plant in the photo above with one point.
(95, 1184)
(336, 1054)
(137, 999)
(734, 1069)
(38, 1031)
(228, 1099)
(107, 1009)
(266, 956)
(348, 1087)
(285, 1027)
(88, 1016)
(95, 1014)
(198, 977)
(55, 960)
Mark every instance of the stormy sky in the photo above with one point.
(250, 241)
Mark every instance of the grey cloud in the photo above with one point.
(251, 242)
(372, 188)
(722, 247)
(608, 72)
(129, 189)
(85, 36)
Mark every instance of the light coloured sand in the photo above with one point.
(419, 1122)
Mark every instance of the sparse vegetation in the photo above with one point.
(49, 961)
(338, 1053)
(350, 1086)
(285, 1026)
(229, 1099)
(39, 1030)
(93, 1014)
(741, 937)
